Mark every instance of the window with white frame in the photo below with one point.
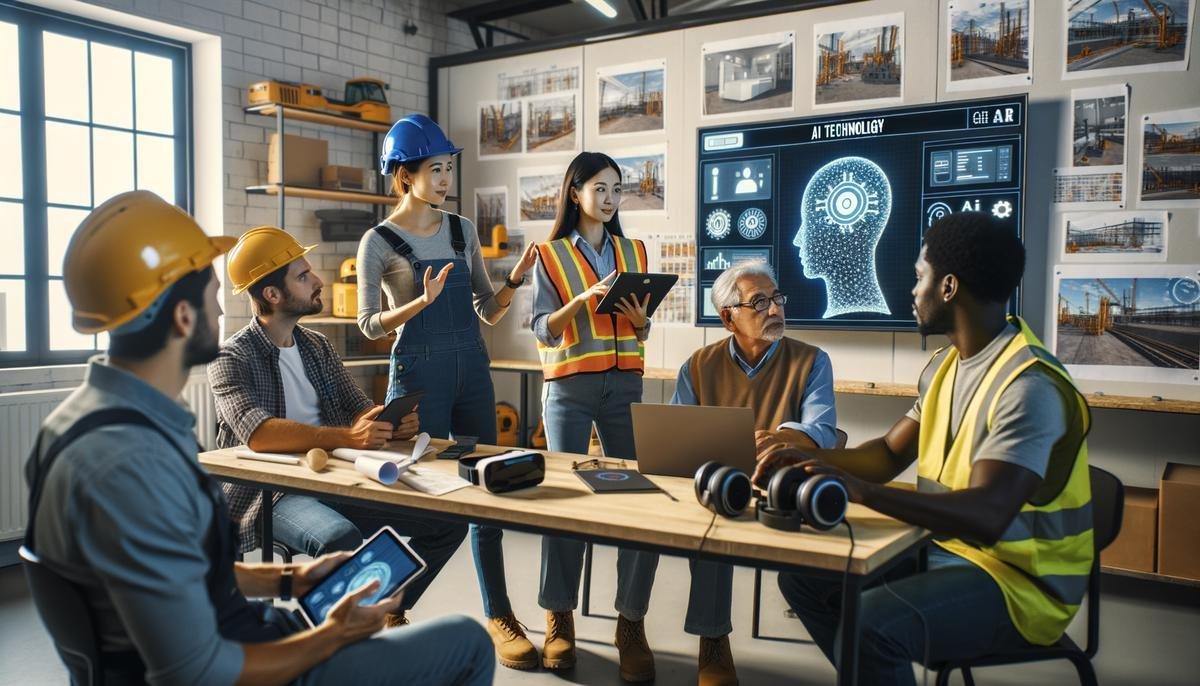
(87, 111)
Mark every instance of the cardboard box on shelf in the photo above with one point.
(1179, 521)
(303, 159)
(337, 176)
(1135, 546)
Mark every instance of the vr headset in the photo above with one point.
(505, 472)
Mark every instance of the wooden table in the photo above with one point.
(562, 505)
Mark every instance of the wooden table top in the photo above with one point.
(563, 503)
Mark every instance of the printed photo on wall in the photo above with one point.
(859, 61)
(499, 128)
(1114, 236)
(990, 43)
(1098, 132)
(538, 191)
(643, 179)
(1128, 323)
(491, 208)
(552, 78)
(631, 97)
(751, 74)
(675, 254)
(1126, 36)
(551, 122)
(1171, 159)
(1082, 188)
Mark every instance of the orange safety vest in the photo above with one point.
(591, 342)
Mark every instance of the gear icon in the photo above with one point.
(1002, 209)
(718, 224)
(752, 224)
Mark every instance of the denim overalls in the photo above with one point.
(441, 352)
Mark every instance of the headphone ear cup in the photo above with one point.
(823, 500)
(703, 474)
(729, 491)
(782, 489)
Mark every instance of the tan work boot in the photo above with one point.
(392, 621)
(637, 662)
(716, 663)
(513, 648)
(559, 651)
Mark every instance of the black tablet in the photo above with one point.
(399, 408)
(637, 284)
(384, 556)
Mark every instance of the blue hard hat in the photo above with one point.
(414, 137)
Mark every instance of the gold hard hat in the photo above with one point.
(126, 253)
(259, 252)
(348, 272)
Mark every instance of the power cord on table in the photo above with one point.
(704, 538)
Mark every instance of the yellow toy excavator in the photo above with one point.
(364, 99)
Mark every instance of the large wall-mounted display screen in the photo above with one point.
(839, 204)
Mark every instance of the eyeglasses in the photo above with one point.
(762, 303)
(595, 463)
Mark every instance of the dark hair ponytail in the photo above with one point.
(582, 168)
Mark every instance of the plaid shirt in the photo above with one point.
(248, 391)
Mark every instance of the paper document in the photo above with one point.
(245, 453)
(431, 481)
(420, 449)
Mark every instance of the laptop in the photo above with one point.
(675, 440)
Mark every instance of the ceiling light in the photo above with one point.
(604, 8)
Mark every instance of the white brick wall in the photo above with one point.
(322, 42)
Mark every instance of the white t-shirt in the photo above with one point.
(299, 396)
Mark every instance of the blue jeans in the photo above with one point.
(451, 650)
(957, 605)
(315, 528)
(569, 408)
(710, 599)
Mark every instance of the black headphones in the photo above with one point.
(795, 497)
(722, 489)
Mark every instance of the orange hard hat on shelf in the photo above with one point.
(126, 253)
(259, 252)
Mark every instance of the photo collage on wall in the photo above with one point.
(535, 111)
(1096, 136)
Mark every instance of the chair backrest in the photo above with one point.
(1108, 506)
(65, 613)
(842, 439)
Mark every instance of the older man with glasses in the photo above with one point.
(789, 385)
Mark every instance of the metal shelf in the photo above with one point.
(319, 117)
(323, 194)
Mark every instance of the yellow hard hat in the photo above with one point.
(127, 253)
(348, 272)
(259, 252)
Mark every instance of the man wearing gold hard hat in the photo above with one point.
(127, 530)
(281, 387)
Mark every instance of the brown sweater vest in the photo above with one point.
(776, 392)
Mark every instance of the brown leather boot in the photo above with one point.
(392, 621)
(637, 662)
(716, 663)
(513, 648)
(559, 651)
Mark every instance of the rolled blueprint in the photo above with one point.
(384, 471)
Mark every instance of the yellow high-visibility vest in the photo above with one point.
(591, 342)
(1041, 562)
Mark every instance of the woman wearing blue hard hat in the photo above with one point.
(429, 264)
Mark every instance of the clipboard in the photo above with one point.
(637, 284)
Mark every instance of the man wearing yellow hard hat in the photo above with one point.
(281, 387)
(124, 520)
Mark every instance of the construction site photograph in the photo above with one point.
(631, 99)
(858, 61)
(500, 128)
(539, 195)
(749, 74)
(1126, 35)
(1115, 236)
(1171, 157)
(643, 181)
(550, 125)
(1081, 187)
(989, 39)
(539, 81)
(491, 209)
(1129, 322)
(1098, 128)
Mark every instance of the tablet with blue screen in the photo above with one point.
(384, 556)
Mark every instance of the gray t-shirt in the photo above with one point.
(380, 265)
(1031, 415)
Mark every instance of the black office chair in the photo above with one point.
(69, 621)
(756, 608)
(1108, 506)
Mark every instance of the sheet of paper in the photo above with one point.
(432, 481)
(421, 448)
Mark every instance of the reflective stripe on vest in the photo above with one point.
(589, 343)
(1042, 560)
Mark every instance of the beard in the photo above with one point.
(297, 307)
(773, 330)
(203, 346)
(936, 323)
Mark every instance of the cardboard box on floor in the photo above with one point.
(302, 160)
(1135, 546)
(1179, 521)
